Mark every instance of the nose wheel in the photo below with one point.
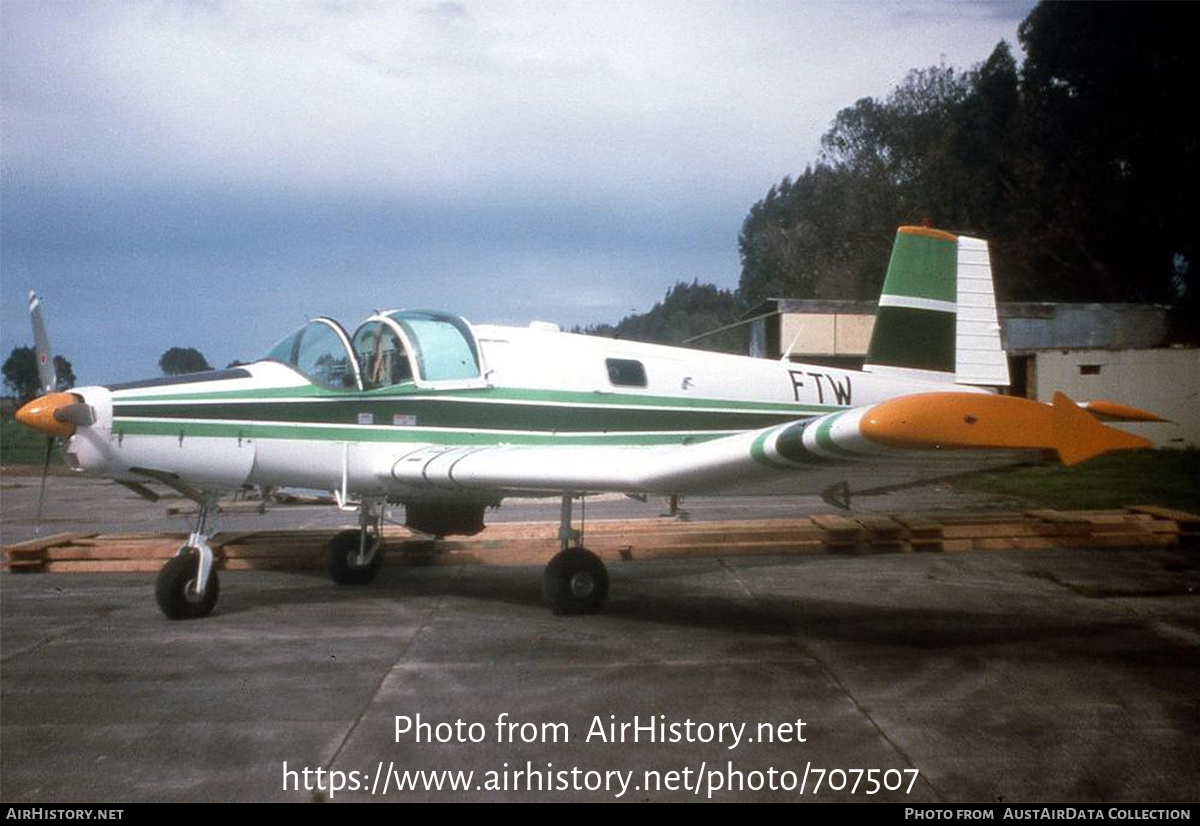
(187, 586)
(176, 590)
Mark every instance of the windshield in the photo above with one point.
(319, 351)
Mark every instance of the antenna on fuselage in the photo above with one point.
(784, 356)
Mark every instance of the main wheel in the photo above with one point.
(341, 556)
(175, 588)
(575, 582)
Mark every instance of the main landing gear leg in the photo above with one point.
(187, 586)
(575, 580)
(354, 557)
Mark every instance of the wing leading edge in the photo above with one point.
(906, 438)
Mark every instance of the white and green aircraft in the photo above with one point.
(422, 409)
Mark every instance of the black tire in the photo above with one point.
(173, 588)
(575, 582)
(339, 556)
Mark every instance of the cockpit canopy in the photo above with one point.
(389, 349)
(319, 351)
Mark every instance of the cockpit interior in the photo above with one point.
(388, 349)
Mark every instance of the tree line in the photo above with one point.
(21, 373)
(1079, 166)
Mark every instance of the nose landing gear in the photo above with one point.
(187, 586)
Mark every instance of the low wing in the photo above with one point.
(903, 439)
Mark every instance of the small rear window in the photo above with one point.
(626, 373)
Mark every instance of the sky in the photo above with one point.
(212, 174)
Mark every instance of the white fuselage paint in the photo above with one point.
(362, 459)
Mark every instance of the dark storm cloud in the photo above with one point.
(207, 173)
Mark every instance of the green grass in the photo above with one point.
(21, 446)
(1167, 478)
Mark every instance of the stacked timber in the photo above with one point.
(521, 543)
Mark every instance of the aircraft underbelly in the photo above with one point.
(208, 462)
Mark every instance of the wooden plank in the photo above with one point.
(1000, 531)
(104, 566)
(924, 534)
(840, 533)
(882, 527)
(1187, 522)
(176, 537)
(122, 552)
(26, 566)
(625, 539)
(1065, 523)
(282, 563)
(47, 541)
(25, 553)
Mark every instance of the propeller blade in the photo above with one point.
(37, 519)
(47, 375)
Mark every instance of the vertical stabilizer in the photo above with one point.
(937, 312)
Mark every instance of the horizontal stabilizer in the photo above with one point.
(1115, 412)
(941, 421)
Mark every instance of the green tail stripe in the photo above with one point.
(920, 339)
(923, 267)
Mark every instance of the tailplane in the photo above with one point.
(937, 312)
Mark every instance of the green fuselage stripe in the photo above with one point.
(427, 411)
(497, 395)
(182, 428)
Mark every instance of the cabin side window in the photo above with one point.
(626, 373)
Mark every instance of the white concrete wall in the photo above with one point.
(1165, 381)
(825, 334)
